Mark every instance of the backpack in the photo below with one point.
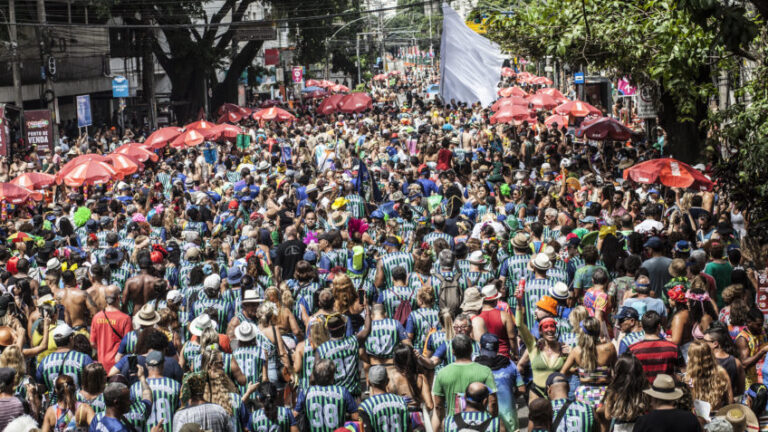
(463, 426)
(451, 295)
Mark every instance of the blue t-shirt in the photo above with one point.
(102, 423)
(171, 368)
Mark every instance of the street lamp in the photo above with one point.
(328, 39)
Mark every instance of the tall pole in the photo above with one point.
(45, 56)
(18, 99)
(357, 55)
(431, 60)
(326, 58)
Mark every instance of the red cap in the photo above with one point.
(156, 256)
(233, 204)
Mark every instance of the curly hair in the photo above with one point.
(704, 375)
(426, 295)
(218, 385)
(14, 359)
(422, 262)
(732, 293)
(343, 293)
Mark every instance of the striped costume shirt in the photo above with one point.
(356, 206)
(224, 310)
(128, 343)
(550, 233)
(326, 407)
(165, 401)
(433, 236)
(344, 353)
(513, 268)
(307, 364)
(97, 403)
(436, 280)
(385, 334)
(472, 418)
(463, 265)
(258, 422)
(251, 360)
(477, 279)
(70, 363)
(392, 297)
(578, 416)
(137, 415)
(386, 413)
(395, 259)
(535, 289)
(630, 339)
(419, 323)
(657, 357)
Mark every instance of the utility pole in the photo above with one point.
(357, 55)
(45, 57)
(18, 98)
(148, 77)
(431, 60)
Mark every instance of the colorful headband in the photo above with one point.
(584, 329)
(697, 297)
(547, 320)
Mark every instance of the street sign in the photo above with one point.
(120, 87)
(298, 74)
(646, 109)
(271, 57)
(279, 74)
(84, 111)
(578, 78)
(258, 31)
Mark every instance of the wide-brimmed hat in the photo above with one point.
(490, 293)
(541, 262)
(520, 241)
(201, 324)
(477, 257)
(245, 331)
(740, 417)
(147, 316)
(262, 166)
(113, 256)
(548, 304)
(473, 300)
(664, 388)
(251, 296)
(339, 218)
(559, 291)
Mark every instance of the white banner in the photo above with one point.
(470, 65)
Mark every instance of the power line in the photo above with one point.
(223, 24)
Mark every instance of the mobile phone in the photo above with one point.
(361, 296)
(132, 365)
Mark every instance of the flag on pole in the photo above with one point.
(362, 175)
(470, 65)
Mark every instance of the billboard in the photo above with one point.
(38, 130)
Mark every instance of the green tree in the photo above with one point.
(659, 42)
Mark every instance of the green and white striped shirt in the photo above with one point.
(386, 412)
(343, 352)
(395, 259)
(578, 416)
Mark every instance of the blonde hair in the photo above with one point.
(588, 341)
(14, 359)
(219, 386)
(578, 314)
(704, 375)
(426, 296)
(318, 334)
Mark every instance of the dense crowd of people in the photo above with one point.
(412, 267)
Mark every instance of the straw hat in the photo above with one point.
(740, 417)
(541, 262)
(663, 388)
(146, 317)
(473, 300)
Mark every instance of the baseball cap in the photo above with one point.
(627, 312)
(155, 358)
(489, 345)
(654, 243)
(62, 330)
(556, 378)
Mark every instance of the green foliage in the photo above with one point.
(742, 132)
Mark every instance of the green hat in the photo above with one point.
(580, 232)
(512, 223)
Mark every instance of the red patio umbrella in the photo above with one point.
(561, 120)
(315, 94)
(555, 93)
(338, 88)
(34, 180)
(229, 131)
(511, 113)
(512, 91)
(380, 77)
(542, 101)
(273, 114)
(325, 84)
(89, 172)
(77, 161)
(124, 164)
(540, 81)
(577, 109)
(507, 72)
(159, 138)
(189, 138)
(206, 128)
(137, 151)
(512, 100)
(669, 172)
(15, 194)
(524, 76)
(228, 107)
(395, 72)
(330, 104)
(312, 83)
(355, 103)
(231, 116)
(605, 128)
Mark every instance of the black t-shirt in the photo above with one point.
(668, 420)
(288, 254)
(285, 217)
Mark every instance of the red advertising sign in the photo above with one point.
(298, 74)
(271, 57)
(762, 291)
(3, 132)
(38, 130)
